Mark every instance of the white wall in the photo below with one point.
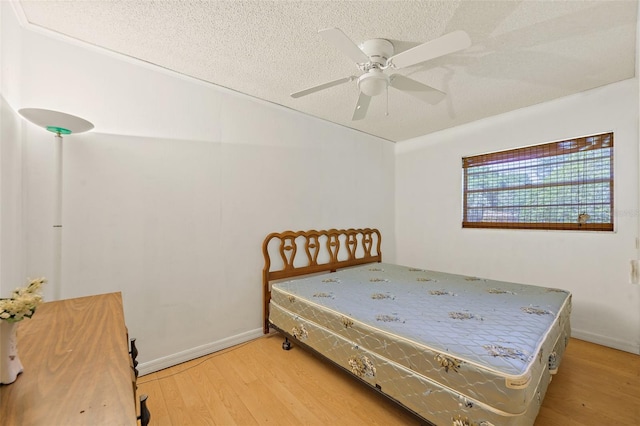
(11, 238)
(593, 266)
(170, 197)
(12, 261)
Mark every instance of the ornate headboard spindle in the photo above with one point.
(312, 244)
(288, 246)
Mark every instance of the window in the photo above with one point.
(561, 185)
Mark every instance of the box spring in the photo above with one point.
(495, 370)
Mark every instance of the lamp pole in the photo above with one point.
(57, 219)
(60, 124)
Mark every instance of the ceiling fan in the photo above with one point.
(375, 56)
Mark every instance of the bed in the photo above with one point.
(452, 349)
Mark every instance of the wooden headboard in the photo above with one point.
(323, 251)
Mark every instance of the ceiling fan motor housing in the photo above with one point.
(378, 50)
(375, 81)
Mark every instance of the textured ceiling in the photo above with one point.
(522, 52)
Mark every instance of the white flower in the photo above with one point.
(23, 302)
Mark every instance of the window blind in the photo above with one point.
(565, 185)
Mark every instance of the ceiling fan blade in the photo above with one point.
(361, 107)
(340, 40)
(416, 89)
(448, 43)
(322, 86)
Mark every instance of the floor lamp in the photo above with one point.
(60, 124)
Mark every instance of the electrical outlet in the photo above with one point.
(634, 273)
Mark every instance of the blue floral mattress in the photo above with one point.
(487, 347)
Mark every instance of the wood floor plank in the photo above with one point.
(255, 363)
(193, 401)
(298, 385)
(176, 407)
(231, 402)
(150, 386)
(255, 395)
(217, 411)
(302, 413)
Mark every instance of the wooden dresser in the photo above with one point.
(77, 368)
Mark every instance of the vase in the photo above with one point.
(10, 365)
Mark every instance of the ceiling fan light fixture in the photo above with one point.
(373, 82)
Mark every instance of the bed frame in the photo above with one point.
(324, 251)
(290, 254)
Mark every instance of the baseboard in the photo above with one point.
(184, 356)
(606, 341)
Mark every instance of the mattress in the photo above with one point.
(443, 345)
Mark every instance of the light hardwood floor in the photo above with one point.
(258, 383)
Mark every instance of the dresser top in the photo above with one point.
(77, 367)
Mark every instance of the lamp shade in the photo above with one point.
(55, 121)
